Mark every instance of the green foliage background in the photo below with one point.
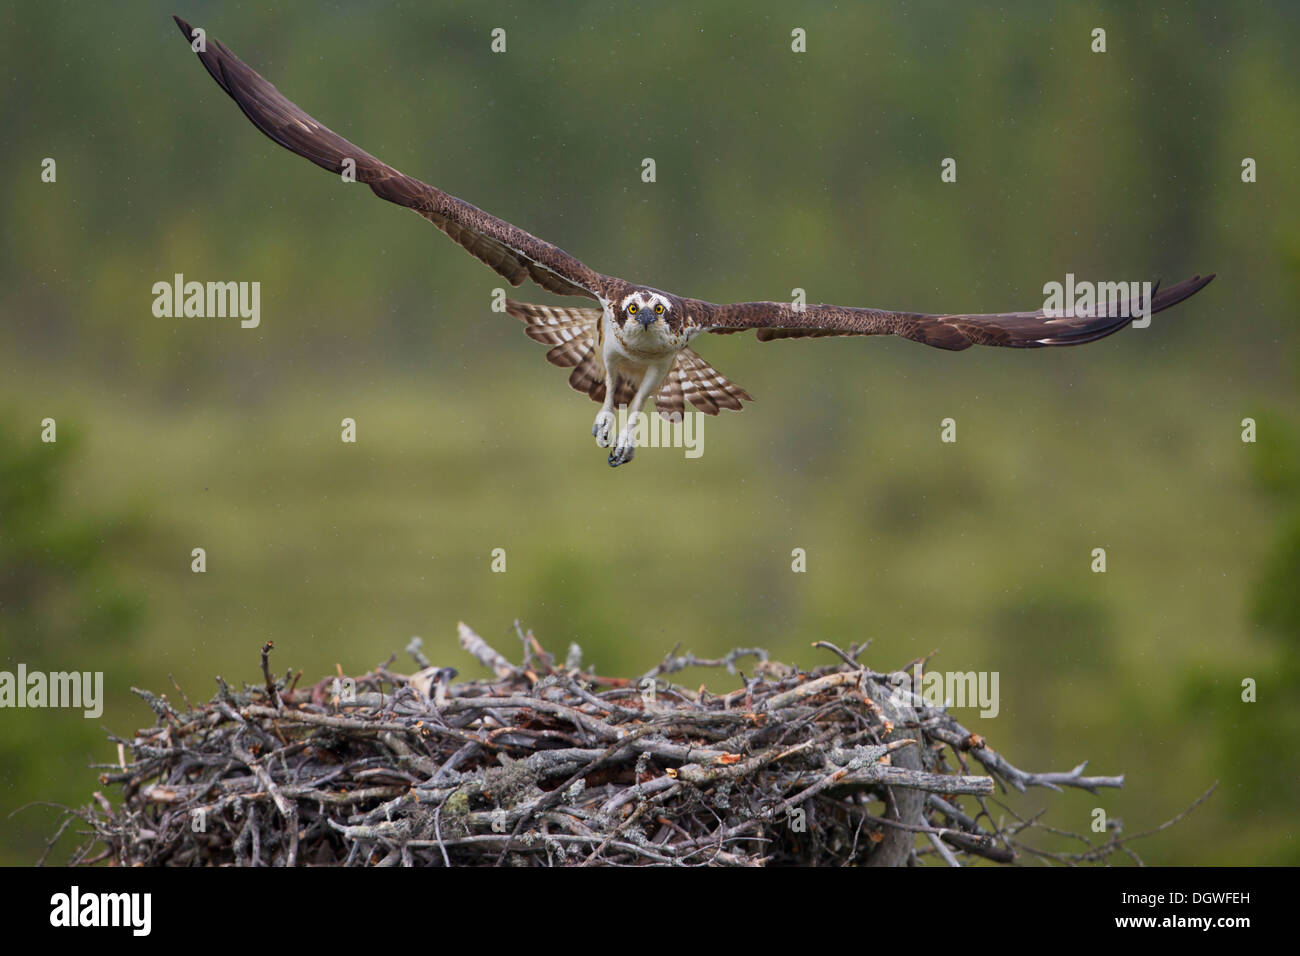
(775, 170)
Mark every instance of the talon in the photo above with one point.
(623, 451)
(601, 429)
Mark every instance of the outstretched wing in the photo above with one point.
(1024, 330)
(513, 253)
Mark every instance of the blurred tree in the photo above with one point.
(61, 608)
(1257, 738)
(56, 591)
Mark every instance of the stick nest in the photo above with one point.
(548, 765)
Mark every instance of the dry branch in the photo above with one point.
(547, 765)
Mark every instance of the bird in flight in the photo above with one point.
(636, 345)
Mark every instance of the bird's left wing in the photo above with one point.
(1025, 330)
(513, 253)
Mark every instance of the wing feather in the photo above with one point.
(670, 403)
(695, 380)
(573, 333)
(588, 375)
(513, 253)
(779, 320)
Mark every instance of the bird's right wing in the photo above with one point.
(513, 253)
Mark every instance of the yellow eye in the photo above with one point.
(659, 309)
(631, 309)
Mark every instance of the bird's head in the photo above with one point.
(645, 311)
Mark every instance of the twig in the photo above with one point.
(554, 772)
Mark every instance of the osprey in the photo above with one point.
(636, 345)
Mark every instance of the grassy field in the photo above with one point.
(980, 551)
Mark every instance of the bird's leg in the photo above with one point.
(625, 446)
(605, 419)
